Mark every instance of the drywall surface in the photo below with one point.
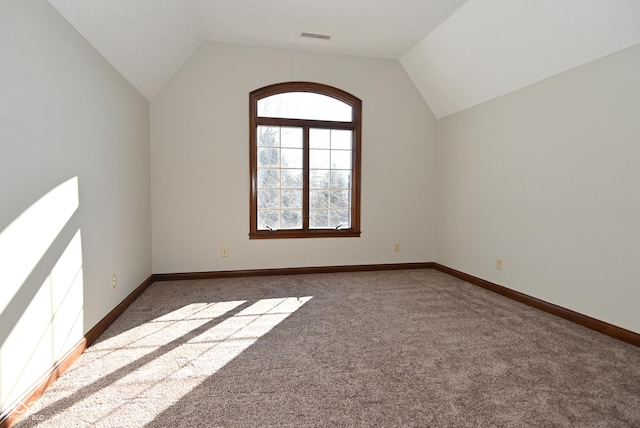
(74, 191)
(200, 162)
(547, 178)
(489, 48)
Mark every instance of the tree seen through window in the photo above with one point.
(305, 156)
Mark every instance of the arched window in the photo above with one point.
(304, 161)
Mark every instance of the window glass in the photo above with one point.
(305, 105)
(305, 161)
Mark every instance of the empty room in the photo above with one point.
(335, 213)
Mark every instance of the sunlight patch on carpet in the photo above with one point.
(164, 359)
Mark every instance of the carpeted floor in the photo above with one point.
(400, 348)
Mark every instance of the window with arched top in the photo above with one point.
(304, 161)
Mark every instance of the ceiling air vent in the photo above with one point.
(315, 36)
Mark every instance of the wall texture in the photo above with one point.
(74, 191)
(547, 178)
(200, 162)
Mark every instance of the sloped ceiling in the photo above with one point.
(148, 40)
(489, 48)
(145, 40)
(459, 53)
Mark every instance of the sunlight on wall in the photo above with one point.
(28, 237)
(40, 322)
(179, 350)
(51, 324)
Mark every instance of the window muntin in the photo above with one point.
(304, 168)
(280, 177)
(330, 171)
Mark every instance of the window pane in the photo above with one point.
(268, 136)
(291, 199)
(319, 159)
(270, 218)
(268, 157)
(319, 219)
(304, 180)
(292, 178)
(341, 139)
(319, 138)
(269, 198)
(319, 179)
(341, 159)
(340, 218)
(340, 199)
(291, 137)
(305, 105)
(340, 179)
(268, 178)
(291, 219)
(318, 199)
(291, 158)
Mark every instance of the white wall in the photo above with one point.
(548, 178)
(200, 162)
(74, 190)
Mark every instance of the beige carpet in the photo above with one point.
(402, 348)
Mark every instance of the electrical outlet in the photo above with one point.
(499, 263)
(224, 252)
(113, 281)
(396, 247)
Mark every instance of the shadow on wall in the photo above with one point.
(41, 298)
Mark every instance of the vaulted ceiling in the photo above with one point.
(459, 53)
